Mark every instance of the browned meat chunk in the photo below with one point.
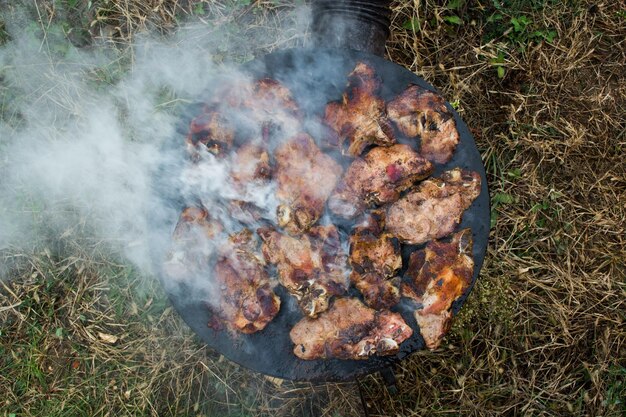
(377, 179)
(349, 330)
(251, 162)
(378, 291)
(439, 275)
(243, 108)
(245, 212)
(371, 250)
(419, 112)
(247, 303)
(375, 258)
(359, 119)
(192, 244)
(312, 267)
(435, 208)
(212, 130)
(305, 177)
(271, 94)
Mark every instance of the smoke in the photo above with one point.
(84, 133)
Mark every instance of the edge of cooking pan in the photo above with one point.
(319, 75)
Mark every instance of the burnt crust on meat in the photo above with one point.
(375, 260)
(305, 178)
(418, 112)
(438, 275)
(378, 178)
(379, 292)
(359, 119)
(435, 208)
(312, 267)
(349, 330)
(247, 302)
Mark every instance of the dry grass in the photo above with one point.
(542, 333)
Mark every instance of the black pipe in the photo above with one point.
(362, 25)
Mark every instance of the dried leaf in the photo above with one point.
(108, 338)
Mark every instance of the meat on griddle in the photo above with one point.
(273, 95)
(305, 178)
(438, 275)
(250, 168)
(378, 178)
(349, 330)
(375, 259)
(251, 162)
(359, 119)
(420, 112)
(193, 244)
(243, 107)
(434, 209)
(272, 110)
(213, 130)
(312, 267)
(247, 302)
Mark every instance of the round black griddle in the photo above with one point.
(315, 77)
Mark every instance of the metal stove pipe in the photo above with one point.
(362, 25)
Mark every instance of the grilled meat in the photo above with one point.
(439, 274)
(271, 94)
(247, 302)
(245, 212)
(349, 330)
(377, 179)
(359, 119)
(435, 208)
(375, 258)
(372, 250)
(251, 162)
(246, 109)
(419, 112)
(311, 266)
(378, 291)
(305, 177)
(271, 108)
(193, 244)
(213, 130)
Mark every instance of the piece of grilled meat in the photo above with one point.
(212, 130)
(193, 244)
(378, 178)
(435, 208)
(305, 178)
(312, 266)
(247, 302)
(349, 330)
(270, 95)
(439, 274)
(375, 259)
(419, 112)
(359, 119)
(251, 162)
(245, 108)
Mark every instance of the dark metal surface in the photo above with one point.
(361, 25)
(316, 77)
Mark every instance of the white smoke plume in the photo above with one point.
(76, 150)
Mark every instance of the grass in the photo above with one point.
(541, 83)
